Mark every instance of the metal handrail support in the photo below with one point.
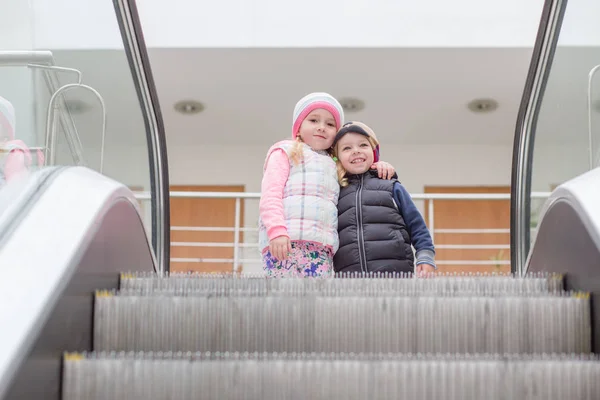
(591, 75)
(44, 60)
(415, 196)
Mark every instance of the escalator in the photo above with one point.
(447, 338)
(90, 313)
(98, 322)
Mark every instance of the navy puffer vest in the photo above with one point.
(373, 234)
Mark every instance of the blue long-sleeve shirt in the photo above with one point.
(415, 224)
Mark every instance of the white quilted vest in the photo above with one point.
(310, 199)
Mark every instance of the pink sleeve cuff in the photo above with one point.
(277, 170)
(277, 231)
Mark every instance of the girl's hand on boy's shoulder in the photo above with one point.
(280, 247)
(425, 270)
(384, 169)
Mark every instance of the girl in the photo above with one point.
(378, 221)
(298, 214)
(15, 157)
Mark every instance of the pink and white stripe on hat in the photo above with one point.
(313, 101)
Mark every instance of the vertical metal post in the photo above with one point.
(589, 105)
(236, 237)
(430, 217)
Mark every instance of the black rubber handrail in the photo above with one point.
(537, 77)
(139, 63)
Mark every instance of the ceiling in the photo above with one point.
(412, 96)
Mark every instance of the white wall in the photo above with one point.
(417, 166)
(272, 23)
(16, 25)
(354, 23)
(128, 165)
(16, 84)
(235, 23)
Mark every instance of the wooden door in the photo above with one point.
(459, 223)
(194, 248)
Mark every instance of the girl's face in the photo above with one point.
(318, 129)
(355, 153)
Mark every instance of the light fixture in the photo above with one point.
(76, 106)
(483, 105)
(352, 104)
(189, 107)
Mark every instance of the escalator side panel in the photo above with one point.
(115, 241)
(568, 240)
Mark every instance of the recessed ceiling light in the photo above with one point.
(76, 106)
(351, 104)
(483, 105)
(189, 107)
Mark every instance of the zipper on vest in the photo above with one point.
(362, 254)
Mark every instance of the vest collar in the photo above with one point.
(369, 174)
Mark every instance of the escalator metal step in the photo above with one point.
(325, 377)
(227, 283)
(551, 323)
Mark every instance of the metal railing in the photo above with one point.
(44, 61)
(238, 227)
(135, 49)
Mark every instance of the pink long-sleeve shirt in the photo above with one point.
(277, 170)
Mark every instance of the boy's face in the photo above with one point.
(355, 153)
(318, 129)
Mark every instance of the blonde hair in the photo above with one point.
(341, 171)
(296, 153)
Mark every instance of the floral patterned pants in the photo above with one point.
(307, 259)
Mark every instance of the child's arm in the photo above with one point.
(385, 170)
(276, 173)
(417, 229)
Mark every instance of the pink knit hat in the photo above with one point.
(19, 157)
(313, 101)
